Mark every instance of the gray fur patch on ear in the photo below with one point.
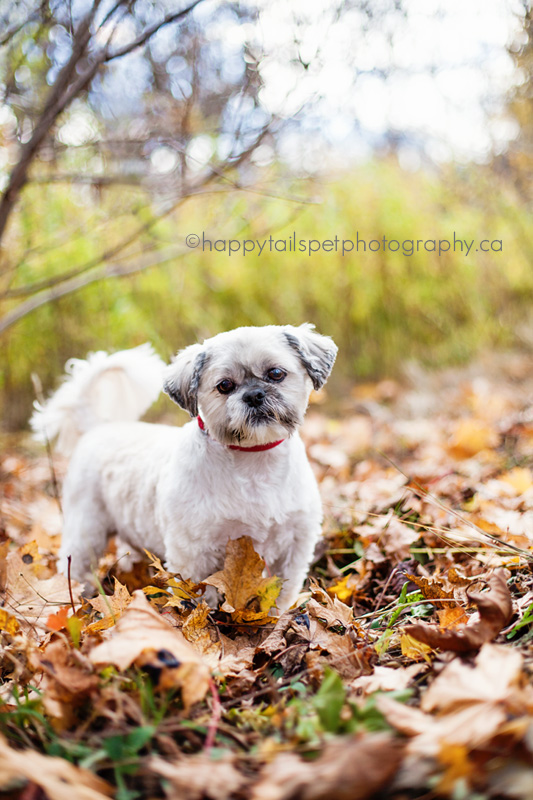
(183, 379)
(317, 353)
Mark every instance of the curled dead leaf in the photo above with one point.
(495, 610)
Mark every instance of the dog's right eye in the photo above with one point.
(226, 386)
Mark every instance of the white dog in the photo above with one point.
(239, 468)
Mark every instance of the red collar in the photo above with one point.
(257, 448)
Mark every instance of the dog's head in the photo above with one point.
(251, 385)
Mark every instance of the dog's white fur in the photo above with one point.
(182, 493)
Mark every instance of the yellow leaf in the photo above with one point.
(342, 588)
(249, 596)
(471, 436)
(8, 623)
(414, 649)
(111, 607)
(186, 590)
(519, 478)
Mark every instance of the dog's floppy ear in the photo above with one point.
(182, 377)
(317, 353)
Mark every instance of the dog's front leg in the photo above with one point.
(293, 565)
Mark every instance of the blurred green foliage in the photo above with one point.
(382, 308)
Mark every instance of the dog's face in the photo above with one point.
(251, 385)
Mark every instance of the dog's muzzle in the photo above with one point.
(254, 398)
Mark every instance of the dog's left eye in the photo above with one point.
(226, 386)
(276, 374)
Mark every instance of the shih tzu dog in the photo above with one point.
(238, 468)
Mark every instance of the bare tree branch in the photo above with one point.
(64, 92)
(214, 172)
(107, 255)
(55, 103)
(79, 282)
(150, 31)
(12, 32)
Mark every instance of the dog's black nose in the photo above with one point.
(254, 397)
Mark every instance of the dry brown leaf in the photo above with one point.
(493, 679)
(472, 702)
(141, 634)
(68, 681)
(332, 610)
(470, 726)
(353, 768)
(432, 589)
(69, 678)
(495, 610)
(452, 618)
(32, 600)
(395, 537)
(386, 679)
(249, 596)
(59, 779)
(203, 638)
(110, 607)
(200, 777)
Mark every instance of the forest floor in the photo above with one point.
(404, 672)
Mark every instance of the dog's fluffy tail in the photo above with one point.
(104, 388)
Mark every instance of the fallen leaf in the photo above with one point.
(31, 599)
(142, 632)
(386, 679)
(345, 587)
(432, 589)
(495, 610)
(458, 766)
(200, 777)
(414, 649)
(198, 633)
(470, 436)
(452, 618)
(8, 623)
(111, 607)
(472, 702)
(248, 596)
(519, 478)
(492, 678)
(352, 768)
(59, 779)
(58, 621)
(331, 609)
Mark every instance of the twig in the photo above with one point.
(215, 718)
(422, 492)
(69, 561)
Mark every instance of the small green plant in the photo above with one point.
(525, 622)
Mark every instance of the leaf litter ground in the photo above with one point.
(405, 670)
